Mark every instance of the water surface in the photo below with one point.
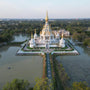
(77, 67)
(21, 67)
(20, 37)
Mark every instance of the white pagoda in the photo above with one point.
(32, 41)
(62, 42)
(47, 38)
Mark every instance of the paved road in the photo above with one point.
(49, 75)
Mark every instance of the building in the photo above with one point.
(47, 37)
(65, 33)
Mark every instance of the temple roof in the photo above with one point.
(46, 29)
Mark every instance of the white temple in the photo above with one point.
(47, 38)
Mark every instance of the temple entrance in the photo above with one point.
(47, 46)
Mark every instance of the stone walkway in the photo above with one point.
(47, 50)
(49, 74)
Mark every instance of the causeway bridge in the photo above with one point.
(48, 69)
(48, 65)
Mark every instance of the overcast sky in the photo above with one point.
(37, 8)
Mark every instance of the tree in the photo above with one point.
(42, 84)
(80, 86)
(75, 36)
(87, 42)
(82, 36)
(17, 84)
(79, 36)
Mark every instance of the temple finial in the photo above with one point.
(46, 16)
(62, 34)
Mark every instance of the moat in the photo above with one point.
(30, 67)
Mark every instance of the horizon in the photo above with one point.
(57, 9)
(43, 18)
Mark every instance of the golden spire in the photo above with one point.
(62, 34)
(46, 19)
(31, 35)
(40, 32)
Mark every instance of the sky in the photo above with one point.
(33, 9)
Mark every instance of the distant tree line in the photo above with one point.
(28, 26)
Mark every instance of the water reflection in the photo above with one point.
(0, 56)
(4, 49)
(20, 37)
(86, 50)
